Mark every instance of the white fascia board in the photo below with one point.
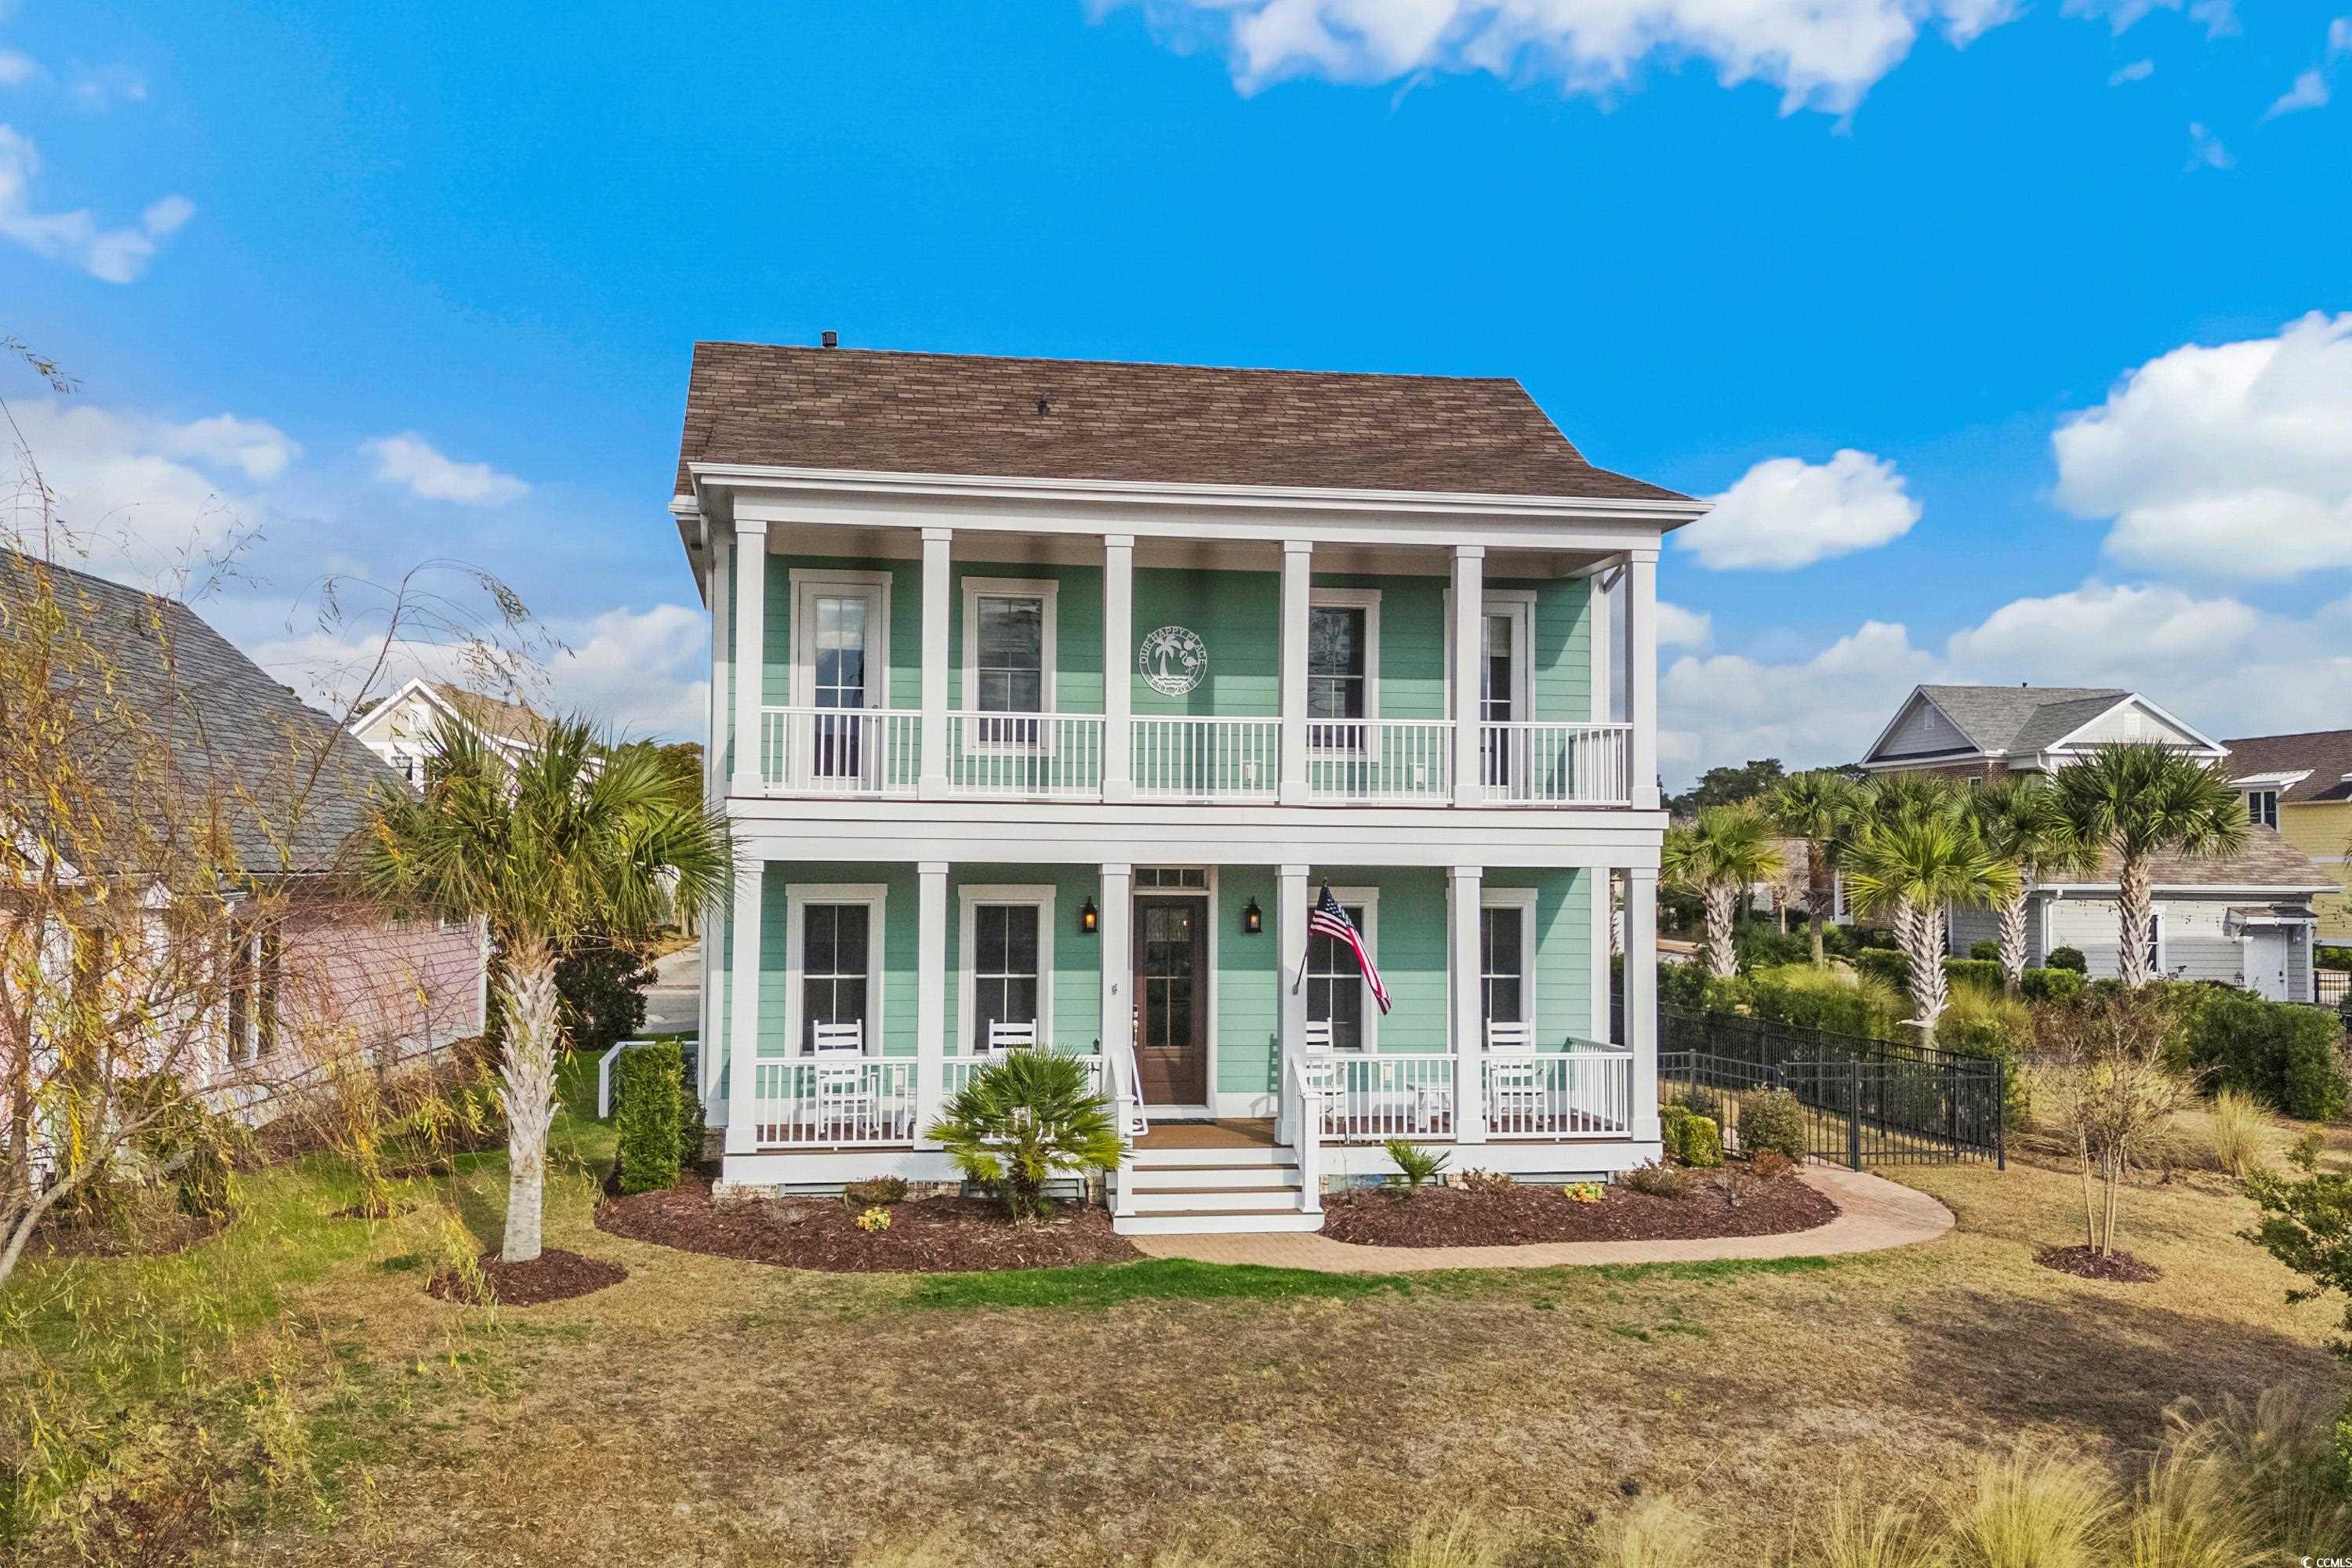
(1188, 510)
(2194, 890)
(2281, 780)
(1918, 694)
(2207, 746)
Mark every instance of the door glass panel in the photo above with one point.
(1502, 968)
(1335, 676)
(840, 650)
(1167, 978)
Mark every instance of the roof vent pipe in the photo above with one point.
(829, 340)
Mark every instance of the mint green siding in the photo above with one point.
(1413, 641)
(1563, 956)
(905, 644)
(1237, 614)
(1249, 985)
(1077, 631)
(1559, 657)
(897, 1036)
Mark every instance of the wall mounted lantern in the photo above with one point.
(1089, 919)
(1253, 921)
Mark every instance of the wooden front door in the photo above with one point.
(1172, 990)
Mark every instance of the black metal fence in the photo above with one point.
(1866, 1101)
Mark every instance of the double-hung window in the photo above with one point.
(1009, 657)
(1502, 963)
(835, 945)
(1004, 968)
(2261, 806)
(1335, 986)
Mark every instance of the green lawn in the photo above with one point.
(288, 1393)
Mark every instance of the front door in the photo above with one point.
(2267, 954)
(1171, 1023)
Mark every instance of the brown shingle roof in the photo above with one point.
(956, 413)
(2326, 752)
(2266, 861)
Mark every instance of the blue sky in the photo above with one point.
(390, 284)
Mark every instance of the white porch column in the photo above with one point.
(1467, 1000)
(1118, 666)
(1469, 634)
(743, 1010)
(930, 994)
(750, 655)
(938, 578)
(1642, 996)
(1297, 560)
(1642, 673)
(715, 766)
(1114, 925)
(1290, 897)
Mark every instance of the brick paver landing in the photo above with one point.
(1874, 1214)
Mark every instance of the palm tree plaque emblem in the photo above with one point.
(1172, 659)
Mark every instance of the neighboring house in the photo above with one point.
(2302, 785)
(2246, 919)
(292, 789)
(957, 832)
(401, 729)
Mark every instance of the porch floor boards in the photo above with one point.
(1238, 1133)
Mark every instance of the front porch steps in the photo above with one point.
(1204, 1190)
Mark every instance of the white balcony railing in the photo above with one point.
(1396, 762)
(1375, 1096)
(1207, 759)
(1556, 764)
(1582, 1092)
(840, 750)
(818, 1101)
(1026, 756)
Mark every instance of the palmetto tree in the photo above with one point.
(573, 840)
(1729, 849)
(2136, 802)
(1814, 807)
(2023, 822)
(1918, 854)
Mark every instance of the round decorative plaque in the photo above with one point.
(1172, 660)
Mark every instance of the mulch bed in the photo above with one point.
(927, 1235)
(554, 1275)
(1455, 1216)
(2120, 1267)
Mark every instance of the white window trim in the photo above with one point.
(2251, 795)
(969, 898)
(1368, 601)
(798, 897)
(1369, 899)
(2155, 931)
(1520, 605)
(974, 589)
(1523, 900)
(808, 579)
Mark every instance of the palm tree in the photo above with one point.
(575, 839)
(1911, 871)
(2139, 800)
(2023, 823)
(1727, 851)
(1814, 807)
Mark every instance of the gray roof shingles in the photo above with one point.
(2016, 719)
(971, 415)
(2327, 753)
(231, 731)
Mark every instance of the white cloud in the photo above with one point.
(1679, 627)
(2234, 459)
(2309, 91)
(2205, 151)
(2138, 70)
(109, 255)
(97, 88)
(17, 67)
(1785, 512)
(260, 451)
(2223, 665)
(2339, 36)
(1820, 54)
(2220, 17)
(410, 459)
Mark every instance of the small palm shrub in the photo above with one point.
(1772, 1119)
(1415, 1166)
(1020, 1123)
(2236, 1134)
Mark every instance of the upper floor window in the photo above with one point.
(2261, 806)
(1342, 666)
(1008, 630)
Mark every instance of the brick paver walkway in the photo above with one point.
(1874, 1214)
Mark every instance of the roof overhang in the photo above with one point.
(2216, 890)
(2205, 746)
(2284, 779)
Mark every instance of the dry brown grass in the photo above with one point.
(707, 1410)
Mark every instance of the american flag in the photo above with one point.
(1327, 919)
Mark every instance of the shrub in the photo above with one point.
(2283, 1054)
(2333, 958)
(1689, 988)
(1770, 1166)
(2236, 1134)
(1974, 972)
(2035, 1511)
(1658, 1180)
(1018, 1122)
(1415, 1165)
(873, 1221)
(1842, 1001)
(1772, 1119)
(649, 1114)
(1701, 1144)
(1981, 1022)
(1985, 950)
(875, 1192)
(2051, 984)
(2068, 958)
(1701, 1100)
(1760, 945)
(1485, 1184)
(1884, 964)
(599, 993)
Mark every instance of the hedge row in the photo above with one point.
(658, 1114)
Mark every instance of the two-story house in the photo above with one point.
(2302, 785)
(1046, 696)
(402, 727)
(2243, 919)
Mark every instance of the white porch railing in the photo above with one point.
(1207, 759)
(1396, 762)
(816, 1102)
(1556, 764)
(1026, 756)
(840, 750)
(1376, 1096)
(956, 1072)
(1578, 1093)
